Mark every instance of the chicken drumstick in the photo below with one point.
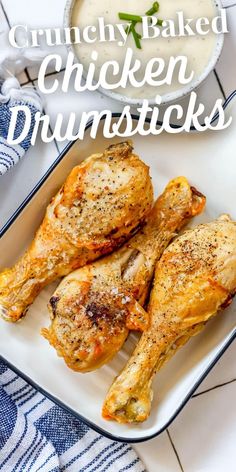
(195, 278)
(94, 307)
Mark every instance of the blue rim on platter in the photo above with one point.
(56, 400)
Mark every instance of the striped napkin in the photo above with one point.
(36, 435)
(12, 62)
(11, 94)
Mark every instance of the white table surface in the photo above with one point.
(203, 437)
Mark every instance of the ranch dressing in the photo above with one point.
(198, 48)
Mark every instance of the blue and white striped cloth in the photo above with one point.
(11, 94)
(36, 435)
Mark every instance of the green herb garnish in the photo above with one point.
(136, 36)
(128, 17)
(153, 10)
(134, 19)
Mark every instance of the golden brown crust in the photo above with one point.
(195, 278)
(94, 307)
(95, 211)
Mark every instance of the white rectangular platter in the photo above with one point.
(208, 161)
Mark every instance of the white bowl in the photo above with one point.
(166, 98)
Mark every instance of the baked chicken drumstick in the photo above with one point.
(102, 202)
(195, 278)
(94, 308)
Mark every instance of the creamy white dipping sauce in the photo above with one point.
(198, 48)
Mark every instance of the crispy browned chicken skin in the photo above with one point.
(195, 278)
(102, 202)
(94, 307)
